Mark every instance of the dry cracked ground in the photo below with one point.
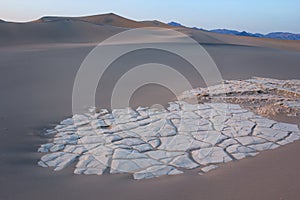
(227, 124)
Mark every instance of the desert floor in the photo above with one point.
(36, 89)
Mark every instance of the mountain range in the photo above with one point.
(273, 35)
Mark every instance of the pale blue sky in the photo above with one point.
(251, 15)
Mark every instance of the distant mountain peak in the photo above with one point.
(273, 35)
(175, 24)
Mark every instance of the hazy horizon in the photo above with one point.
(255, 16)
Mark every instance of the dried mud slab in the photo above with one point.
(150, 142)
(264, 96)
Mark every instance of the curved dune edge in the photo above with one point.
(149, 143)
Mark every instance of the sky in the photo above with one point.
(261, 16)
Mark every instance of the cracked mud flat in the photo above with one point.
(264, 96)
(149, 143)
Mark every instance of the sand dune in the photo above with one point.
(94, 29)
(107, 19)
(61, 31)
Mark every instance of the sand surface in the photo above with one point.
(36, 83)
